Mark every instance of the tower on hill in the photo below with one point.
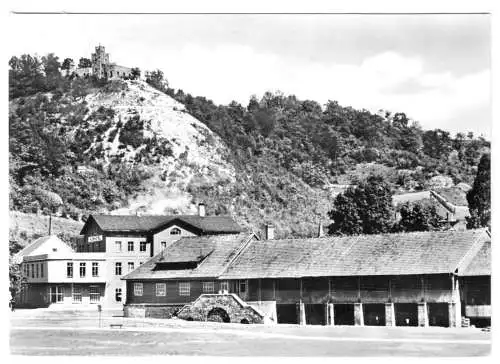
(100, 62)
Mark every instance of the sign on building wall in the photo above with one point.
(95, 238)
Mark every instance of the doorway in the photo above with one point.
(438, 314)
(287, 313)
(374, 314)
(406, 314)
(315, 314)
(343, 314)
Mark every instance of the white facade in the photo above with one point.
(166, 237)
(123, 254)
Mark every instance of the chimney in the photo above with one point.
(321, 233)
(269, 233)
(201, 209)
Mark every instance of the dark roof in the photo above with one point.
(480, 265)
(216, 252)
(145, 224)
(361, 255)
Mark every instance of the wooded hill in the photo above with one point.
(289, 156)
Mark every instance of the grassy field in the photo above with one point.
(45, 332)
(27, 227)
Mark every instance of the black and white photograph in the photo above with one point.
(225, 183)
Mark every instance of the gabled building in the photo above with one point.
(179, 274)
(55, 274)
(406, 279)
(116, 245)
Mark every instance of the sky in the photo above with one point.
(435, 68)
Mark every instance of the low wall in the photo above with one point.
(268, 308)
(152, 311)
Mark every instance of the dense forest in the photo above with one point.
(290, 155)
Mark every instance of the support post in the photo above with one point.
(302, 313)
(390, 316)
(330, 314)
(455, 307)
(423, 316)
(358, 314)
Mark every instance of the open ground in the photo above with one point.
(51, 332)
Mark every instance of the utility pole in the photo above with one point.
(50, 222)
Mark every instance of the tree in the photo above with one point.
(418, 217)
(136, 73)
(51, 67)
(156, 79)
(365, 209)
(84, 63)
(16, 277)
(67, 64)
(479, 197)
(25, 76)
(437, 143)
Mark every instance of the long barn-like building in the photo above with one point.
(410, 279)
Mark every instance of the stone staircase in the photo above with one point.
(222, 307)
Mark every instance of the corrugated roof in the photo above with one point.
(385, 254)
(480, 265)
(207, 224)
(219, 250)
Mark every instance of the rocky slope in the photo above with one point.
(194, 149)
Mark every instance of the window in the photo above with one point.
(95, 269)
(243, 287)
(118, 246)
(82, 270)
(56, 294)
(77, 294)
(175, 231)
(118, 268)
(69, 270)
(32, 271)
(41, 270)
(224, 286)
(118, 295)
(163, 244)
(161, 289)
(25, 270)
(130, 246)
(142, 246)
(130, 266)
(95, 294)
(208, 287)
(37, 269)
(184, 289)
(141, 263)
(137, 289)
